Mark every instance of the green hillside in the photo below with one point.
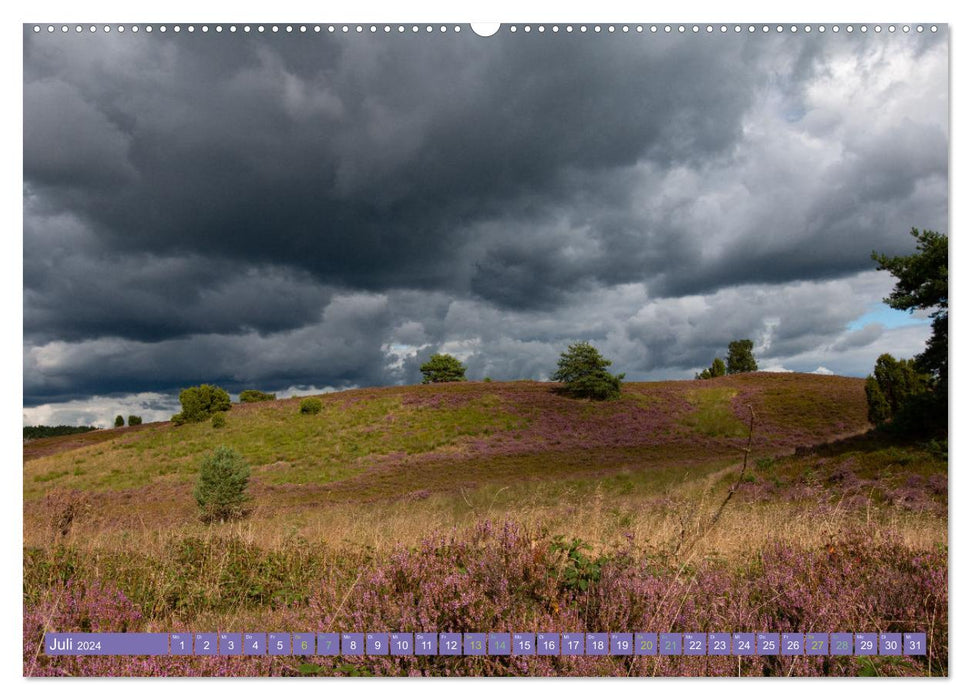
(404, 436)
(454, 442)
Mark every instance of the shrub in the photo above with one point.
(221, 488)
(583, 372)
(218, 420)
(134, 420)
(200, 402)
(255, 396)
(442, 368)
(311, 406)
(894, 386)
(119, 421)
(740, 357)
(878, 410)
(717, 369)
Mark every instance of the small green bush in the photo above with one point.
(134, 420)
(119, 421)
(218, 420)
(221, 488)
(311, 406)
(255, 396)
(717, 369)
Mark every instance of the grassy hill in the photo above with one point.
(367, 502)
(410, 442)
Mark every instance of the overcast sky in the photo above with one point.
(298, 213)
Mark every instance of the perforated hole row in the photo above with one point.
(513, 28)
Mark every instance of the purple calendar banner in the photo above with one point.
(377, 644)
(891, 644)
(915, 643)
(743, 643)
(481, 644)
(206, 644)
(402, 644)
(694, 644)
(278, 643)
(106, 643)
(597, 644)
(866, 643)
(621, 644)
(817, 644)
(328, 644)
(180, 644)
(450, 643)
(669, 644)
(352, 644)
(230, 643)
(719, 644)
(767, 643)
(645, 644)
(254, 643)
(524, 643)
(792, 644)
(571, 644)
(474, 644)
(548, 643)
(841, 644)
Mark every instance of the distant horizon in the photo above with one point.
(157, 415)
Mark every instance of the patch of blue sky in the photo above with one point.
(888, 317)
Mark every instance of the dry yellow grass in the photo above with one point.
(603, 520)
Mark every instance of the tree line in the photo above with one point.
(909, 396)
(35, 432)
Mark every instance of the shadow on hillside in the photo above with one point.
(872, 440)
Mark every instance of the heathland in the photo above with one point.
(753, 502)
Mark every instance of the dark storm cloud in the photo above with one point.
(328, 210)
(362, 160)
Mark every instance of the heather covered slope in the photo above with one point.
(384, 443)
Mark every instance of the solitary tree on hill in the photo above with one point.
(200, 402)
(441, 368)
(583, 371)
(740, 357)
